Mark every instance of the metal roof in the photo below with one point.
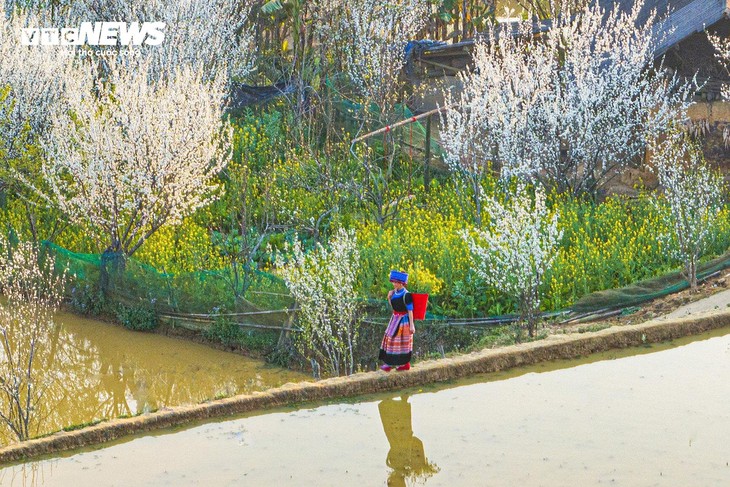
(677, 20)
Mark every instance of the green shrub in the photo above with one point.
(229, 333)
(225, 331)
(88, 299)
(263, 341)
(138, 318)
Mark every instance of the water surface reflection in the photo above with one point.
(648, 419)
(406, 456)
(100, 371)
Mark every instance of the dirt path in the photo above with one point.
(714, 303)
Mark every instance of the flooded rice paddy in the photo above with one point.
(630, 418)
(105, 371)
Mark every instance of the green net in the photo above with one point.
(194, 298)
(186, 298)
(643, 291)
(412, 137)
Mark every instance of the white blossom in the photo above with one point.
(34, 78)
(518, 247)
(372, 35)
(693, 194)
(722, 48)
(32, 294)
(323, 285)
(137, 155)
(569, 108)
(206, 35)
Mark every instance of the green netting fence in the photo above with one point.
(647, 290)
(196, 298)
(191, 299)
(414, 137)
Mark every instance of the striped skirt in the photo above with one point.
(397, 345)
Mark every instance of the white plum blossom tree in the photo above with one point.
(570, 108)
(323, 285)
(136, 155)
(206, 35)
(693, 194)
(372, 36)
(491, 119)
(136, 140)
(369, 38)
(32, 294)
(32, 80)
(517, 248)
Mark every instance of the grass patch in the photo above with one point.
(79, 426)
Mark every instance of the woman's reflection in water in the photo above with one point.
(406, 456)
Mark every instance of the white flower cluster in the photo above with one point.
(373, 35)
(519, 247)
(137, 157)
(693, 193)
(35, 78)
(32, 295)
(569, 107)
(323, 285)
(722, 48)
(132, 143)
(206, 35)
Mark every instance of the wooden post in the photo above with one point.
(427, 161)
(286, 327)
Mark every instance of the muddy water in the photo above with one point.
(105, 371)
(640, 420)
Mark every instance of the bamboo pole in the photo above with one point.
(240, 324)
(427, 160)
(214, 315)
(388, 128)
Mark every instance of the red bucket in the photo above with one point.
(420, 302)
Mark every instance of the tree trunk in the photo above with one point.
(112, 265)
(692, 274)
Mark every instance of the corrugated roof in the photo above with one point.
(682, 18)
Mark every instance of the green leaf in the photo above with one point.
(446, 17)
(271, 7)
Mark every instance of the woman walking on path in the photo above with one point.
(397, 345)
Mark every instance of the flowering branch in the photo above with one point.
(32, 294)
(323, 284)
(570, 108)
(722, 48)
(209, 36)
(693, 193)
(138, 156)
(518, 248)
(372, 35)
